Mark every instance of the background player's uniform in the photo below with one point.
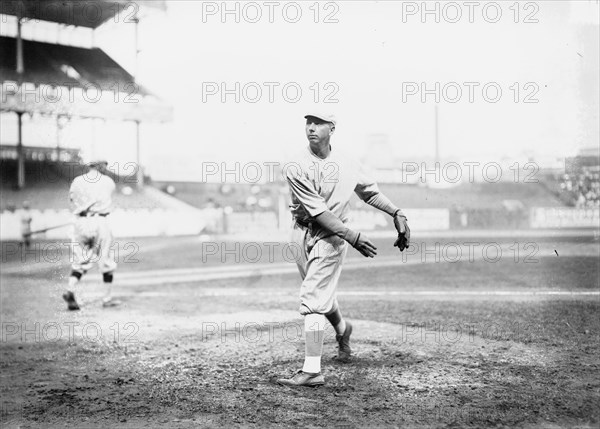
(91, 201)
(26, 219)
(91, 238)
(318, 185)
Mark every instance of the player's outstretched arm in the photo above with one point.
(381, 202)
(370, 194)
(357, 240)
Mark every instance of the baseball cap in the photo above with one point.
(327, 117)
(97, 162)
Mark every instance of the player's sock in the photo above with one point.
(73, 285)
(74, 279)
(314, 327)
(107, 278)
(337, 321)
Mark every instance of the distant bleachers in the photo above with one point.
(470, 205)
(579, 189)
(472, 195)
(203, 195)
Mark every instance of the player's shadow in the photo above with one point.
(375, 359)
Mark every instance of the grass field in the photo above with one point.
(202, 333)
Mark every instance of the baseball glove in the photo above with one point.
(403, 240)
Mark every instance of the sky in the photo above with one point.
(370, 66)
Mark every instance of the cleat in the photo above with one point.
(344, 350)
(303, 379)
(110, 303)
(69, 297)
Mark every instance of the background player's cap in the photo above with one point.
(327, 117)
(97, 162)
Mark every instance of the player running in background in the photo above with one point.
(321, 182)
(91, 200)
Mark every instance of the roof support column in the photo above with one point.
(140, 169)
(20, 70)
(20, 63)
(20, 153)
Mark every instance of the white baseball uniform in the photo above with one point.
(91, 201)
(317, 185)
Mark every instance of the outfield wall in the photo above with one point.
(178, 222)
(564, 217)
(125, 223)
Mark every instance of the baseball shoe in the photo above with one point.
(110, 303)
(303, 379)
(69, 297)
(344, 350)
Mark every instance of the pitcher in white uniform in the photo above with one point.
(322, 180)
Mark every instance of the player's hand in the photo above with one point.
(365, 247)
(403, 240)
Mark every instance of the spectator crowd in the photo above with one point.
(581, 190)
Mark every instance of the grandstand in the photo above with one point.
(49, 79)
(48, 184)
(579, 185)
(41, 80)
(469, 205)
(471, 195)
(242, 197)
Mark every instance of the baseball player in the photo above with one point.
(26, 220)
(91, 199)
(321, 182)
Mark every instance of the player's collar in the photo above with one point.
(319, 158)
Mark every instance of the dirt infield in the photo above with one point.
(205, 352)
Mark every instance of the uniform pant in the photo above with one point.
(91, 241)
(319, 261)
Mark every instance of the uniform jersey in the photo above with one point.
(317, 185)
(91, 193)
(26, 219)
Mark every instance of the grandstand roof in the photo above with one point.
(51, 64)
(75, 67)
(89, 13)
